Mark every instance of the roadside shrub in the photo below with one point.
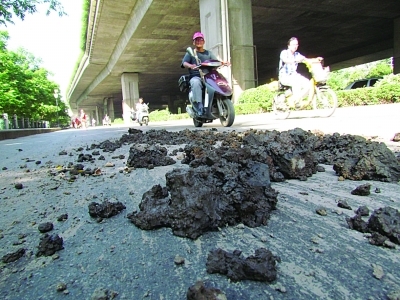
(256, 100)
(386, 90)
(357, 97)
(248, 108)
(118, 121)
(165, 115)
(159, 115)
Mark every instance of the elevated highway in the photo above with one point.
(134, 47)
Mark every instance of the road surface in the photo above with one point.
(321, 258)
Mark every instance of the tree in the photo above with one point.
(20, 8)
(25, 89)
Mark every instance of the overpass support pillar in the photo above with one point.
(97, 116)
(396, 47)
(110, 108)
(105, 110)
(228, 29)
(130, 94)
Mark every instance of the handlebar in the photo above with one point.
(314, 60)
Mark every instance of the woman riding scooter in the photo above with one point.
(190, 62)
(142, 112)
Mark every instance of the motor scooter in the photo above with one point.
(141, 116)
(217, 94)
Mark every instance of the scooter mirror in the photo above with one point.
(190, 51)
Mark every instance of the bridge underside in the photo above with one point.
(150, 37)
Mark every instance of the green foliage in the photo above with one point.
(263, 93)
(159, 115)
(20, 8)
(85, 20)
(355, 97)
(118, 121)
(251, 108)
(24, 87)
(380, 69)
(338, 80)
(256, 100)
(386, 90)
(165, 115)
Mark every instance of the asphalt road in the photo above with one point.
(321, 258)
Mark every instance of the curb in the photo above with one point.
(17, 133)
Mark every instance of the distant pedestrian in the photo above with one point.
(83, 118)
(93, 122)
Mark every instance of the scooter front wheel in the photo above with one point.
(228, 113)
(197, 123)
(146, 121)
(280, 109)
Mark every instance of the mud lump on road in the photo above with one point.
(227, 182)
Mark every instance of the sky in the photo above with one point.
(53, 39)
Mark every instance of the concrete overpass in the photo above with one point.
(134, 47)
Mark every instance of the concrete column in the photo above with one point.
(93, 116)
(396, 47)
(242, 48)
(97, 116)
(130, 94)
(228, 29)
(105, 109)
(214, 25)
(110, 109)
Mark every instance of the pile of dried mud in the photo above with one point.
(228, 182)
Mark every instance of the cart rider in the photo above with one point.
(289, 59)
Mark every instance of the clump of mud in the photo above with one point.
(258, 267)
(143, 157)
(10, 257)
(202, 291)
(105, 210)
(45, 227)
(292, 154)
(384, 224)
(362, 190)
(212, 193)
(356, 158)
(228, 180)
(49, 244)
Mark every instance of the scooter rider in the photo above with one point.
(140, 107)
(190, 62)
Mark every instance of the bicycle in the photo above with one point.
(320, 97)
